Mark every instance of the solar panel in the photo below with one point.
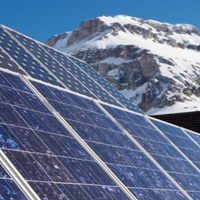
(111, 145)
(66, 71)
(8, 188)
(158, 147)
(194, 136)
(189, 148)
(116, 94)
(46, 155)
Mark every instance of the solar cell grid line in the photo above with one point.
(46, 60)
(87, 80)
(113, 91)
(110, 144)
(23, 57)
(7, 62)
(44, 152)
(111, 112)
(191, 181)
(165, 127)
(180, 141)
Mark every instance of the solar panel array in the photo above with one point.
(60, 142)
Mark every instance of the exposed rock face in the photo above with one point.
(154, 80)
(51, 41)
(86, 28)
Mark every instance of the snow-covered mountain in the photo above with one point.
(156, 65)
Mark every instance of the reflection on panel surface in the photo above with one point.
(41, 149)
(159, 148)
(112, 146)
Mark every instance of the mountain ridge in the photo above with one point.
(154, 64)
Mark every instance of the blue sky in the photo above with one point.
(41, 19)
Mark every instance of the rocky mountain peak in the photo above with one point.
(154, 64)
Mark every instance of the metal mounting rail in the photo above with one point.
(19, 180)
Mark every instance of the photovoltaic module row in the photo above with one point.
(47, 156)
(67, 70)
(49, 141)
(112, 146)
(50, 63)
(171, 160)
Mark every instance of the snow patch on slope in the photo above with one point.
(112, 60)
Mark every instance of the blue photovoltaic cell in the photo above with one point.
(7, 63)
(9, 190)
(13, 81)
(120, 154)
(24, 59)
(49, 62)
(85, 192)
(44, 152)
(114, 92)
(159, 148)
(82, 76)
